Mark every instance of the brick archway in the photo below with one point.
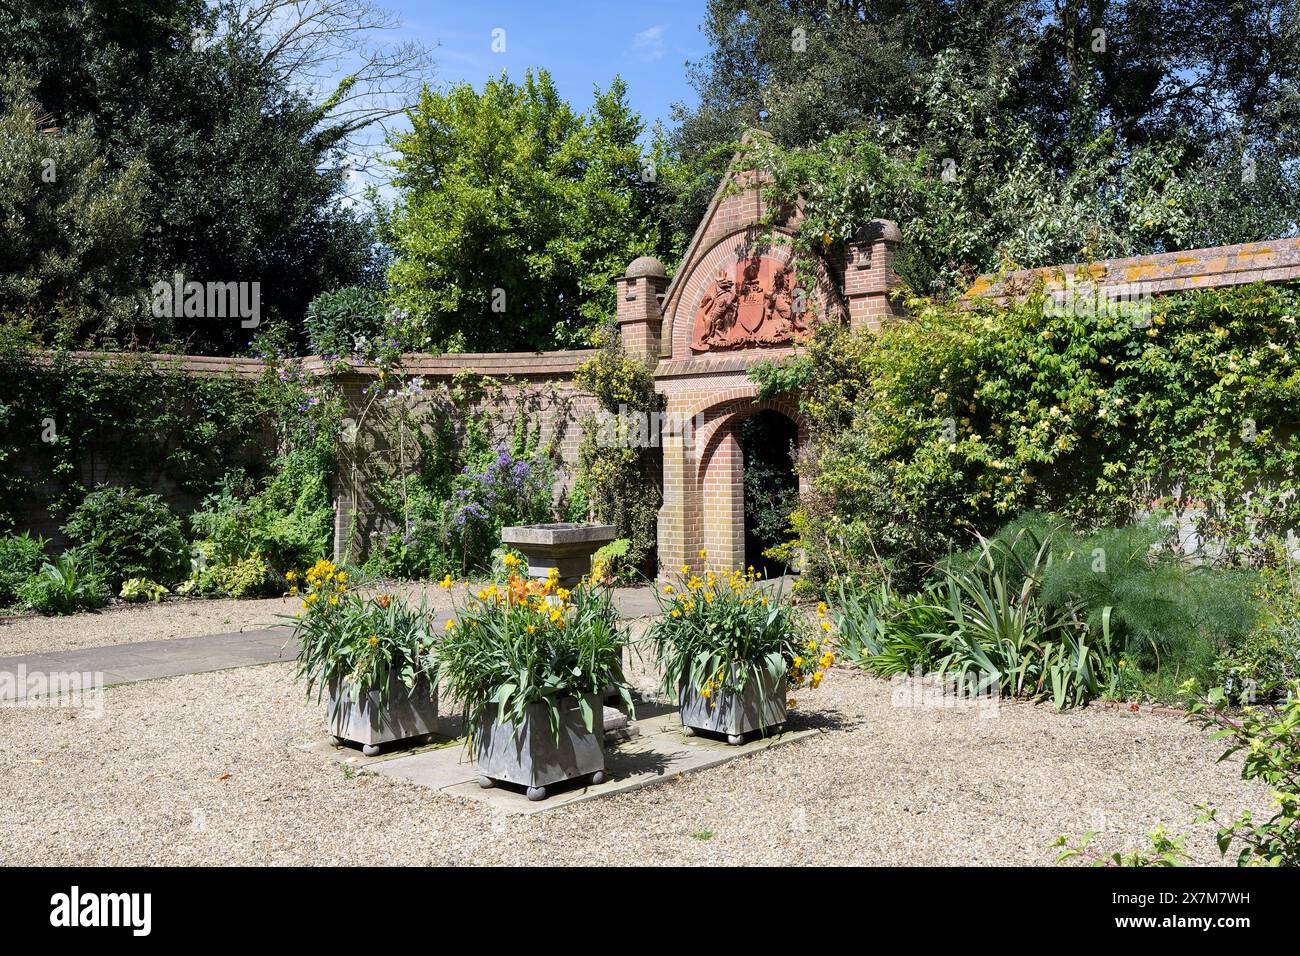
(704, 498)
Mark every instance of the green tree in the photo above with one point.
(516, 214)
(242, 171)
(1056, 124)
(69, 226)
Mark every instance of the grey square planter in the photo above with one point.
(530, 756)
(735, 714)
(408, 713)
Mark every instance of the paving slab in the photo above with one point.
(150, 660)
(659, 752)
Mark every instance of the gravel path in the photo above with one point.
(192, 617)
(203, 770)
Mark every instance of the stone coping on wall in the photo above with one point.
(1277, 260)
(519, 364)
(527, 364)
(714, 363)
(201, 366)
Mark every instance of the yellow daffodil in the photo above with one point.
(451, 622)
(445, 583)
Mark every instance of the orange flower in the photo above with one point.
(384, 600)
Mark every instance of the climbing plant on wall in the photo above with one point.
(952, 420)
(618, 467)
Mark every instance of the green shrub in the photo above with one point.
(344, 322)
(958, 419)
(887, 633)
(62, 587)
(1268, 738)
(137, 590)
(1170, 615)
(1268, 658)
(247, 578)
(1042, 611)
(126, 533)
(21, 556)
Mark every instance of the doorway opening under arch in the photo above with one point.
(768, 442)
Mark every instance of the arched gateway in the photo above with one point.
(739, 296)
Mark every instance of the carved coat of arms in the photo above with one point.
(756, 303)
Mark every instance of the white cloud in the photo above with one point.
(650, 42)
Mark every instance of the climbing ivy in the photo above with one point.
(956, 419)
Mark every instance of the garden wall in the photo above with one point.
(105, 457)
(1277, 260)
(501, 388)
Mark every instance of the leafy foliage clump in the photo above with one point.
(21, 556)
(63, 586)
(958, 419)
(126, 533)
(618, 459)
(1038, 610)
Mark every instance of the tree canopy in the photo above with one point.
(1058, 124)
(241, 173)
(515, 214)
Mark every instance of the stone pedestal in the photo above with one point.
(566, 547)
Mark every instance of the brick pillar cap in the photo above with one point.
(880, 230)
(645, 266)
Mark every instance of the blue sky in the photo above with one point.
(582, 43)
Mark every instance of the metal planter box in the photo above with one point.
(529, 754)
(736, 714)
(371, 723)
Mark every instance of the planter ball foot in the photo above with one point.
(598, 777)
(536, 793)
(487, 783)
(370, 750)
(688, 731)
(735, 739)
(338, 741)
(424, 740)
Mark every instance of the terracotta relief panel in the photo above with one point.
(752, 303)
